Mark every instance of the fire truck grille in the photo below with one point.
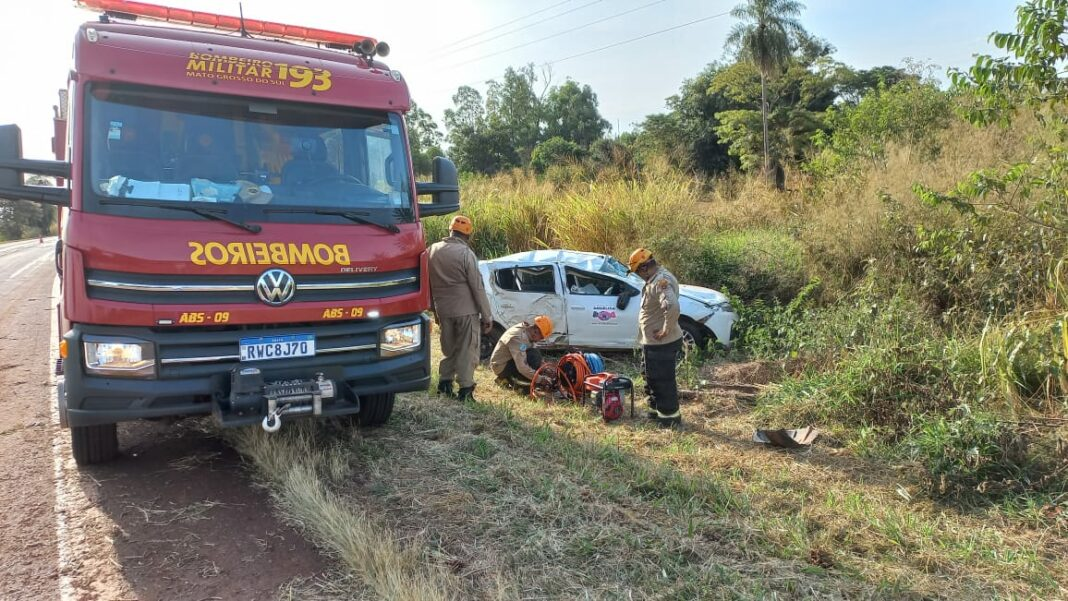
(172, 289)
(193, 353)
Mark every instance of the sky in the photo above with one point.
(440, 45)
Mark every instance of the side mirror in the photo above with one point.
(624, 298)
(13, 167)
(445, 190)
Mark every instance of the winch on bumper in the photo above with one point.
(250, 395)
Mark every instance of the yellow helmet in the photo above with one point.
(461, 224)
(545, 325)
(639, 256)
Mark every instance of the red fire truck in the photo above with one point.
(240, 229)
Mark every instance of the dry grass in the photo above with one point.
(844, 226)
(298, 472)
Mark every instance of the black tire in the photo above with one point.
(94, 444)
(375, 409)
(693, 338)
(694, 333)
(487, 342)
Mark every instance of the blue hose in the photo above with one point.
(594, 361)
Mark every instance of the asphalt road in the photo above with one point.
(174, 517)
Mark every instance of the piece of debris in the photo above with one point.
(787, 439)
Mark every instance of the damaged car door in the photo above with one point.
(520, 292)
(594, 316)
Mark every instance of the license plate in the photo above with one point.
(277, 347)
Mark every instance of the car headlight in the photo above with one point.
(120, 357)
(400, 339)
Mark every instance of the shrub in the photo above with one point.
(751, 264)
(967, 451)
(875, 360)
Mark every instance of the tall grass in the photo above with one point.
(608, 214)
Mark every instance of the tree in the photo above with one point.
(854, 84)
(796, 105)
(476, 145)
(514, 108)
(765, 36)
(503, 132)
(468, 112)
(687, 135)
(910, 111)
(571, 113)
(554, 151)
(425, 139)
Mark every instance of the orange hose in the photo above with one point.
(534, 380)
(574, 390)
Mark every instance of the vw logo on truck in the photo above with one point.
(275, 287)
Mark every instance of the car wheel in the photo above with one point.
(487, 342)
(693, 338)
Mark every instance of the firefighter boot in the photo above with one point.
(466, 394)
(673, 420)
(445, 388)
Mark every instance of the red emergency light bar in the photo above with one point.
(226, 23)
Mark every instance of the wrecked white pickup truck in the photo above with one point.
(592, 301)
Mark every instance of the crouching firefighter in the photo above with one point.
(661, 336)
(514, 359)
(461, 307)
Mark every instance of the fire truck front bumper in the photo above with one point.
(194, 371)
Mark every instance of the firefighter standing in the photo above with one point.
(514, 359)
(661, 336)
(460, 305)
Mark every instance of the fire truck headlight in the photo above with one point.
(119, 357)
(399, 340)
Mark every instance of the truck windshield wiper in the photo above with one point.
(357, 216)
(216, 214)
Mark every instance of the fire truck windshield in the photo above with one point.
(167, 146)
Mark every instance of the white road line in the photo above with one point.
(60, 450)
(29, 265)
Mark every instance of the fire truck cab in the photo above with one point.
(240, 230)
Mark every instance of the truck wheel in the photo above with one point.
(375, 409)
(487, 342)
(94, 444)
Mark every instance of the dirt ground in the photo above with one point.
(175, 517)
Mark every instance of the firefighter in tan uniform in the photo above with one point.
(460, 307)
(660, 336)
(514, 359)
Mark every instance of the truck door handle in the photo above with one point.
(577, 308)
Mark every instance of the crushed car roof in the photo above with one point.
(585, 260)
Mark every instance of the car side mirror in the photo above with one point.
(444, 190)
(624, 298)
